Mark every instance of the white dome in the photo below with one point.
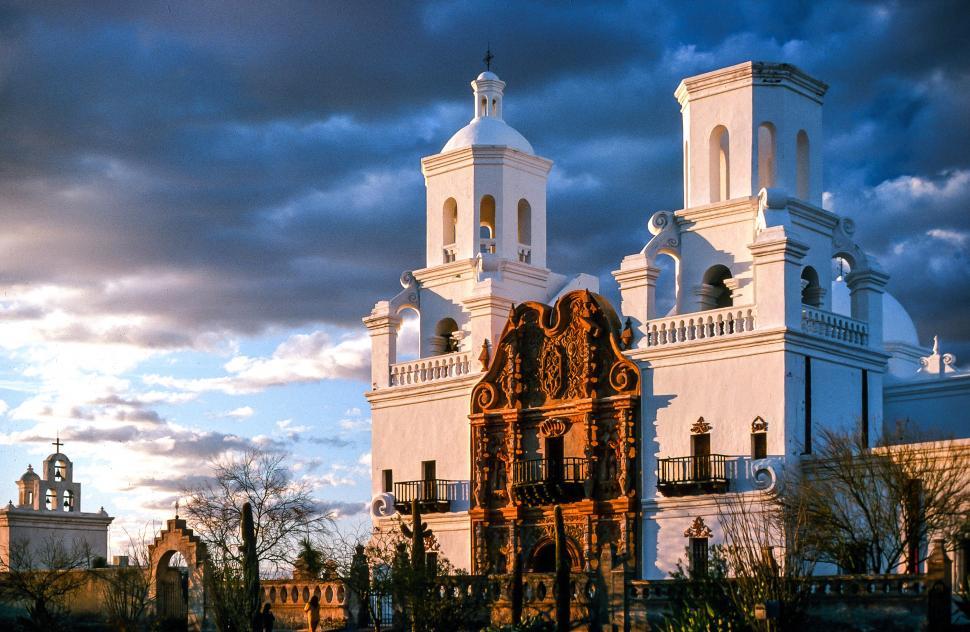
(488, 75)
(897, 326)
(487, 130)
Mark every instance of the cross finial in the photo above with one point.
(57, 444)
(176, 508)
(488, 58)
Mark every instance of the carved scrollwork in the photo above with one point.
(551, 368)
(698, 529)
(759, 425)
(700, 426)
(623, 379)
(555, 427)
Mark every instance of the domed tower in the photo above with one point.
(487, 188)
(28, 489)
(485, 253)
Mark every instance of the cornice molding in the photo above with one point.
(407, 395)
(484, 155)
(750, 73)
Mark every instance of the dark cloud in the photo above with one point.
(221, 167)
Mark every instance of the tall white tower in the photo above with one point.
(486, 251)
(751, 126)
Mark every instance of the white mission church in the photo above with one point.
(531, 390)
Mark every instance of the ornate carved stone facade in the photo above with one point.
(555, 421)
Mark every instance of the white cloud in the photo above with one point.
(952, 237)
(301, 358)
(243, 412)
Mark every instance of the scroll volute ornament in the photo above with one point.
(759, 425)
(571, 350)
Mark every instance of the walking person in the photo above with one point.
(312, 611)
(267, 619)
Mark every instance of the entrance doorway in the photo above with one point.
(172, 591)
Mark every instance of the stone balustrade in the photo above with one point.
(834, 326)
(697, 326)
(432, 369)
(288, 597)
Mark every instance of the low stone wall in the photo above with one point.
(842, 602)
(288, 598)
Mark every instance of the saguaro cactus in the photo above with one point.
(562, 574)
(250, 563)
(420, 577)
(418, 531)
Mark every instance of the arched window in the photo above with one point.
(766, 155)
(445, 340)
(449, 223)
(668, 283)
(486, 223)
(50, 503)
(68, 500)
(408, 336)
(720, 167)
(801, 166)
(449, 220)
(60, 470)
(525, 223)
(715, 293)
(483, 110)
(811, 291)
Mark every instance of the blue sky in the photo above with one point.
(200, 200)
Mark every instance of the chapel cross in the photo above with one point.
(57, 444)
(488, 58)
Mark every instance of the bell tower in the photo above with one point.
(748, 127)
(486, 190)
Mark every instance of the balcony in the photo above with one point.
(549, 481)
(834, 326)
(433, 495)
(699, 326)
(431, 369)
(685, 475)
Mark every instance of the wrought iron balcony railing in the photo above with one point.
(546, 481)
(433, 495)
(683, 475)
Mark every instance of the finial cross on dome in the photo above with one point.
(488, 57)
(57, 443)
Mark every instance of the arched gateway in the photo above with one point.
(176, 596)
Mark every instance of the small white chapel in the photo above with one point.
(48, 511)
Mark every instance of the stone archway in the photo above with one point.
(172, 594)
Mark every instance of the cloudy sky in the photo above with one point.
(199, 200)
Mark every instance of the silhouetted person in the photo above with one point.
(267, 619)
(312, 611)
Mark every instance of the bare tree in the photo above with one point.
(284, 512)
(870, 509)
(126, 590)
(42, 578)
(764, 553)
